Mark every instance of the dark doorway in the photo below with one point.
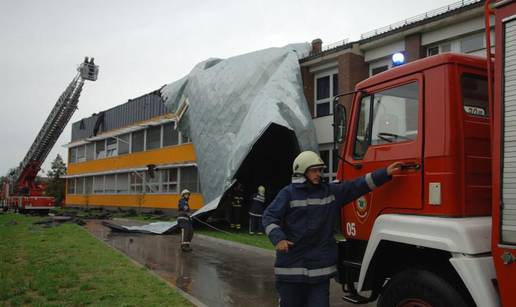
(269, 163)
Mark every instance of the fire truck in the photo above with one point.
(20, 191)
(443, 231)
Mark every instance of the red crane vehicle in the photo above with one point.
(443, 232)
(21, 192)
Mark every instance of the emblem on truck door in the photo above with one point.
(361, 208)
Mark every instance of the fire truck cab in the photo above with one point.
(425, 237)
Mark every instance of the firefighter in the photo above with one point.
(237, 200)
(256, 210)
(300, 222)
(185, 221)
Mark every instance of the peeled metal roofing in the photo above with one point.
(232, 102)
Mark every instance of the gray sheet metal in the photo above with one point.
(232, 102)
(160, 227)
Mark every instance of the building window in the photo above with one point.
(188, 179)
(88, 185)
(137, 141)
(122, 183)
(444, 47)
(325, 88)
(185, 139)
(170, 181)
(153, 139)
(472, 43)
(152, 183)
(379, 69)
(110, 184)
(111, 147)
(331, 161)
(81, 153)
(123, 144)
(432, 51)
(170, 135)
(70, 184)
(100, 149)
(136, 181)
(98, 184)
(72, 154)
(90, 151)
(79, 185)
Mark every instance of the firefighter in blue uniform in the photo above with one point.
(256, 211)
(300, 223)
(237, 199)
(185, 221)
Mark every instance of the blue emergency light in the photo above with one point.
(398, 59)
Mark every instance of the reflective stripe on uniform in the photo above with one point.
(259, 198)
(298, 179)
(270, 227)
(183, 218)
(306, 272)
(312, 201)
(370, 182)
(254, 214)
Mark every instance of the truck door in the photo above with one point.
(386, 126)
(504, 153)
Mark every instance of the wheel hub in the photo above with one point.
(414, 302)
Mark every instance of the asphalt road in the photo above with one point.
(217, 272)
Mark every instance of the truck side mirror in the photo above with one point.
(339, 123)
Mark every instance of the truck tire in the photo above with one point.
(420, 288)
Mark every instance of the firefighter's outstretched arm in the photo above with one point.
(348, 191)
(273, 215)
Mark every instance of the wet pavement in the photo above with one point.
(217, 272)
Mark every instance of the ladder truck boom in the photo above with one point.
(24, 178)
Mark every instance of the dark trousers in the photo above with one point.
(235, 217)
(187, 230)
(304, 295)
(255, 224)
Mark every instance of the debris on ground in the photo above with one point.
(11, 223)
(56, 220)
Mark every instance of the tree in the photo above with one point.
(56, 184)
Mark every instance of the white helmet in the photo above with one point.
(306, 160)
(261, 190)
(185, 191)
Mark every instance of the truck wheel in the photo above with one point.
(419, 288)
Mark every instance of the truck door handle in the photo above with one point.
(411, 165)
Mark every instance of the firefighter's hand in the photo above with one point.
(394, 168)
(283, 245)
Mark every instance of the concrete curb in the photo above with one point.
(187, 296)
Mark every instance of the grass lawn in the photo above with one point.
(66, 266)
(242, 236)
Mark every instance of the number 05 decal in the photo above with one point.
(351, 229)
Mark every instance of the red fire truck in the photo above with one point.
(443, 232)
(21, 192)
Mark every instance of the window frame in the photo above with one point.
(410, 79)
(331, 73)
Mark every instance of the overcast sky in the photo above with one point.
(143, 45)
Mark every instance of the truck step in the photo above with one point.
(356, 299)
(352, 264)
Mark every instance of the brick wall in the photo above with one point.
(308, 87)
(352, 69)
(413, 48)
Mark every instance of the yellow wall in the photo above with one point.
(166, 155)
(164, 201)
